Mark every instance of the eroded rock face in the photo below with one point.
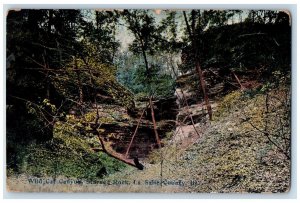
(164, 109)
(118, 127)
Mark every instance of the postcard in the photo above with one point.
(148, 100)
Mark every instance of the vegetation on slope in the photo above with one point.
(233, 154)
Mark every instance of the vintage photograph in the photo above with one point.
(148, 100)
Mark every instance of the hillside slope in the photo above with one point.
(230, 156)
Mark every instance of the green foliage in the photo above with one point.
(148, 77)
(228, 104)
(142, 24)
(241, 47)
(58, 54)
(91, 77)
(162, 85)
(100, 34)
(68, 155)
(139, 82)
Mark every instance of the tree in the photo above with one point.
(53, 53)
(148, 63)
(192, 36)
(101, 33)
(170, 44)
(141, 24)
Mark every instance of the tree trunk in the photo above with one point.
(97, 20)
(154, 123)
(114, 155)
(135, 131)
(203, 86)
(103, 148)
(238, 80)
(80, 91)
(145, 57)
(198, 67)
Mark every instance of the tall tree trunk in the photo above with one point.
(144, 53)
(46, 67)
(145, 59)
(157, 139)
(80, 91)
(45, 58)
(203, 86)
(198, 67)
(50, 22)
(154, 123)
(48, 90)
(97, 20)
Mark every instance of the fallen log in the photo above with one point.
(115, 155)
(110, 153)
